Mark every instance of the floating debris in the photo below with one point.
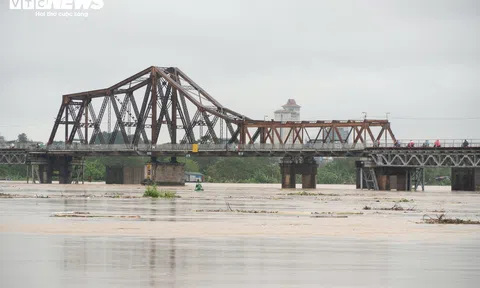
(5, 195)
(404, 200)
(337, 213)
(329, 216)
(441, 219)
(89, 215)
(239, 211)
(305, 193)
(393, 208)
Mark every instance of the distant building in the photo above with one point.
(290, 112)
(333, 137)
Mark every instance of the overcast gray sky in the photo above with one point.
(337, 59)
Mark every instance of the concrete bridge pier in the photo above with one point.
(287, 168)
(69, 168)
(167, 173)
(371, 177)
(465, 179)
(306, 166)
(45, 172)
(64, 167)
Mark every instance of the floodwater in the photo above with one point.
(188, 242)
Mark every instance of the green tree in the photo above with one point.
(94, 170)
(22, 138)
(339, 171)
(190, 165)
(13, 172)
(244, 170)
(431, 174)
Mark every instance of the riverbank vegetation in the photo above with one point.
(230, 170)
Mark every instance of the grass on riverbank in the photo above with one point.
(153, 192)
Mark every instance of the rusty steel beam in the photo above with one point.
(174, 116)
(154, 97)
(119, 122)
(137, 116)
(111, 90)
(56, 124)
(183, 112)
(96, 123)
(142, 116)
(77, 118)
(164, 102)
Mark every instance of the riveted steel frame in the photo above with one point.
(467, 158)
(13, 157)
(171, 97)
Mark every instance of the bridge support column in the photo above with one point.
(308, 169)
(168, 174)
(367, 175)
(305, 166)
(388, 178)
(402, 181)
(287, 168)
(64, 166)
(465, 179)
(45, 172)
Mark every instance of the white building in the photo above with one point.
(290, 112)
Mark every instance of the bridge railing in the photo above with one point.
(448, 143)
(202, 147)
(18, 146)
(418, 143)
(252, 147)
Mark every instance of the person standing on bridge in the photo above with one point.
(411, 144)
(465, 144)
(437, 144)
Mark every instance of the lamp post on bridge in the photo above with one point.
(388, 113)
(365, 132)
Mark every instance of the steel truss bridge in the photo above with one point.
(171, 100)
(160, 111)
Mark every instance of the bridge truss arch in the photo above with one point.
(159, 100)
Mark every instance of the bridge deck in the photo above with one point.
(387, 156)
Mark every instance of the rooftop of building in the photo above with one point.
(291, 103)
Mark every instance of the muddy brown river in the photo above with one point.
(235, 235)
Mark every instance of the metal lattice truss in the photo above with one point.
(13, 157)
(311, 132)
(427, 158)
(140, 106)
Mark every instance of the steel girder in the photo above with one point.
(303, 132)
(427, 158)
(168, 100)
